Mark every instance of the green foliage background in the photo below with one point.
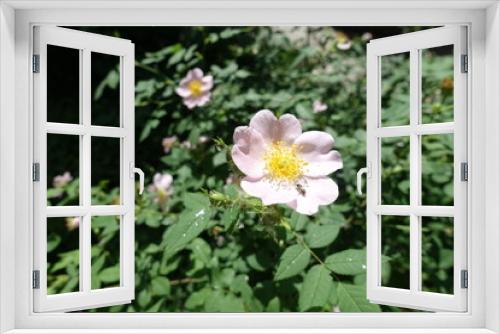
(226, 253)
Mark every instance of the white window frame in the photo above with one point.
(86, 44)
(16, 21)
(413, 44)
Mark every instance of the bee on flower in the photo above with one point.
(283, 165)
(195, 88)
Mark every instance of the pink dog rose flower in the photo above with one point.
(162, 186)
(284, 165)
(72, 223)
(168, 142)
(195, 88)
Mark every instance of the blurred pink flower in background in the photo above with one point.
(319, 106)
(162, 186)
(284, 165)
(168, 142)
(195, 88)
(203, 139)
(60, 181)
(72, 223)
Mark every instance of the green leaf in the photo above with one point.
(191, 223)
(197, 298)
(218, 302)
(273, 305)
(230, 218)
(53, 241)
(315, 289)
(352, 298)
(195, 201)
(160, 286)
(110, 275)
(219, 158)
(318, 236)
(293, 260)
(348, 262)
(201, 250)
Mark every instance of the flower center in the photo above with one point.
(195, 87)
(283, 163)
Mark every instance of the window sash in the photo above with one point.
(412, 43)
(86, 43)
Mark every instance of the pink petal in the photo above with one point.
(286, 129)
(265, 123)
(203, 99)
(183, 91)
(190, 102)
(208, 83)
(267, 192)
(289, 128)
(196, 73)
(248, 151)
(318, 191)
(315, 147)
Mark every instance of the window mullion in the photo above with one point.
(85, 181)
(415, 193)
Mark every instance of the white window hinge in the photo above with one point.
(36, 279)
(36, 63)
(464, 279)
(36, 172)
(464, 171)
(464, 59)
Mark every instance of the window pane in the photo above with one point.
(437, 254)
(395, 94)
(105, 171)
(63, 84)
(63, 255)
(396, 251)
(437, 169)
(105, 89)
(437, 84)
(105, 252)
(395, 170)
(63, 156)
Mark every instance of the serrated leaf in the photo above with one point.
(230, 218)
(195, 201)
(352, 298)
(315, 289)
(191, 223)
(293, 260)
(347, 262)
(318, 236)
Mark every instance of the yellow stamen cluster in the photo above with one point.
(283, 164)
(195, 87)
